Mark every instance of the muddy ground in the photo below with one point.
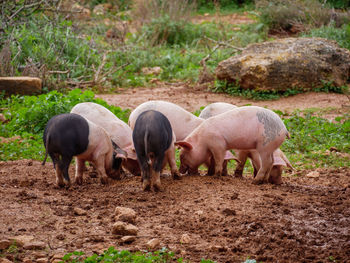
(306, 219)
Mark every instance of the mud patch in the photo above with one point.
(225, 219)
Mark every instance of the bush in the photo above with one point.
(297, 14)
(341, 35)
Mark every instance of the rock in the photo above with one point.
(5, 244)
(313, 174)
(102, 9)
(153, 243)
(22, 240)
(185, 239)
(127, 239)
(79, 211)
(58, 256)
(124, 229)
(2, 118)
(5, 260)
(151, 71)
(81, 11)
(288, 63)
(125, 214)
(229, 212)
(41, 260)
(34, 245)
(27, 260)
(20, 85)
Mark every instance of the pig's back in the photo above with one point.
(119, 131)
(182, 121)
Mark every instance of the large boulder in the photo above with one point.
(283, 64)
(20, 85)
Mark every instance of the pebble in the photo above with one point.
(125, 214)
(153, 243)
(128, 239)
(185, 239)
(124, 229)
(313, 174)
(23, 239)
(79, 211)
(5, 244)
(35, 245)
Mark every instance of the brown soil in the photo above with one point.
(306, 219)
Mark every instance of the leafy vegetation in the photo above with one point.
(28, 115)
(113, 255)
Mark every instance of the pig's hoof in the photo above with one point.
(157, 188)
(146, 186)
(104, 180)
(257, 182)
(176, 176)
(79, 180)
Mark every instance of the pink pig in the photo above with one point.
(182, 123)
(279, 159)
(119, 131)
(244, 128)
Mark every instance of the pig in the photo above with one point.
(67, 135)
(152, 137)
(279, 158)
(243, 128)
(182, 123)
(119, 131)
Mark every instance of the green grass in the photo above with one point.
(113, 255)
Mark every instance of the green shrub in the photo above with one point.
(29, 114)
(284, 14)
(341, 35)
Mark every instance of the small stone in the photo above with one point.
(39, 254)
(153, 243)
(229, 212)
(58, 256)
(79, 211)
(42, 260)
(2, 118)
(125, 214)
(5, 260)
(5, 244)
(23, 239)
(124, 229)
(313, 174)
(127, 239)
(218, 249)
(36, 245)
(27, 260)
(185, 239)
(199, 213)
(151, 71)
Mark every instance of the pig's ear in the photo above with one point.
(230, 156)
(185, 145)
(131, 153)
(119, 153)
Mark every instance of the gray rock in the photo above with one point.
(21, 85)
(124, 229)
(23, 239)
(288, 63)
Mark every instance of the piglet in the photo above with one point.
(68, 135)
(244, 128)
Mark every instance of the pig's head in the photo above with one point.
(190, 158)
(131, 163)
(118, 156)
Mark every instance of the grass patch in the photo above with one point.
(27, 117)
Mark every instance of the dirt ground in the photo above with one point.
(306, 219)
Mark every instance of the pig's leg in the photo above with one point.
(242, 157)
(266, 165)
(256, 162)
(79, 170)
(218, 157)
(59, 177)
(101, 170)
(211, 166)
(155, 173)
(64, 166)
(170, 156)
(224, 168)
(145, 172)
